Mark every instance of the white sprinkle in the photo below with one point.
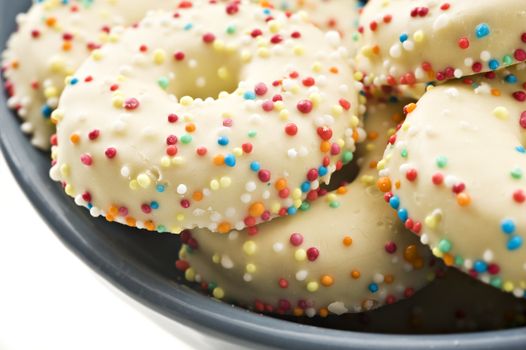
(277, 247)
(181, 189)
(301, 275)
(226, 262)
(338, 308)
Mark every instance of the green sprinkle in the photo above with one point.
(334, 204)
(305, 206)
(252, 133)
(186, 139)
(495, 282)
(441, 162)
(444, 246)
(507, 59)
(212, 286)
(516, 173)
(404, 153)
(459, 261)
(161, 229)
(347, 157)
(163, 83)
(231, 29)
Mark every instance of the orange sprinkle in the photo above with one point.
(149, 225)
(384, 184)
(67, 46)
(334, 70)
(398, 184)
(15, 64)
(463, 199)
(355, 135)
(113, 210)
(190, 127)
(224, 227)
(327, 280)
(496, 92)
(372, 135)
(51, 21)
(448, 259)
(410, 253)
(410, 107)
(376, 49)
(280, 184)
(397, 118)
(431, 74)
(418, 263)
(388, 279)
(110, 218)
(197, 196)
(74, 138)
(325, 146)
(341, 190)
(373, 164)
(131, 221)
(323, 312)
(256, 209)
(298, 311)
(347, 241)
(355, 274)
(219, 159)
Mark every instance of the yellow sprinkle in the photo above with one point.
(96, 55)
(223, 73)
(214, 185)
(274, 207)
(250, 268)
(312, 286)
(501, 113)
(186, 101)
(216, 258)
(418, 36)
(218, 293)
(246, 56)
(249, 247)
(298, 50)
(316, 67)
(508, 286)
(117, 101)
(159, 56)
(358, 76)
(64, 170)
(165, 162)
(57, 115)
(300, 255)
(274, 26)
(218, 45)
(367, 51)
(189, 274)
(225, 181)
(238, 151)
(337, 110)
(284, 114)
(176, 229)
(144, 180)
(432, 221)
(50, 92)
(69, 190)
(355, 121)
(298, 203)
(178, 160)
(134, 185)
(263, 52)
(179, 217)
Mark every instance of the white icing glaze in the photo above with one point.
(408, 41)
(134, 147)
(345, 254)
(455, 171)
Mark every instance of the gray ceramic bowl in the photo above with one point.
(141, 264)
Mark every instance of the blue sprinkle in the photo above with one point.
(267, 11)
(250, 95)
(322, 171)
(292, 210)
(402, 214)
(510, 78)
(230, 160)
(305, 187)
(160, 188)
(520, 149)
(482, 30)
(73, 81)
(514, 243)
(403, 37)
(188, 26)
(223, 141)
(507, 226)
(254, 166)
(154, 205)
(46, 111)
(493, 64)
(480, 266)
(90, 206)
(373, 287)
(394, 202)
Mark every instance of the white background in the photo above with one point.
(49, 300)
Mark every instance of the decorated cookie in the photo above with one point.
(183, 122)
(346, 253)
(408, 41)
(454, 172)
(52, 40)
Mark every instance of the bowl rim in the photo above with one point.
(184, 305)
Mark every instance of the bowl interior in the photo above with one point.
(142, 265)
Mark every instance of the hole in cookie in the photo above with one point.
(203, 74)
(343, 177)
